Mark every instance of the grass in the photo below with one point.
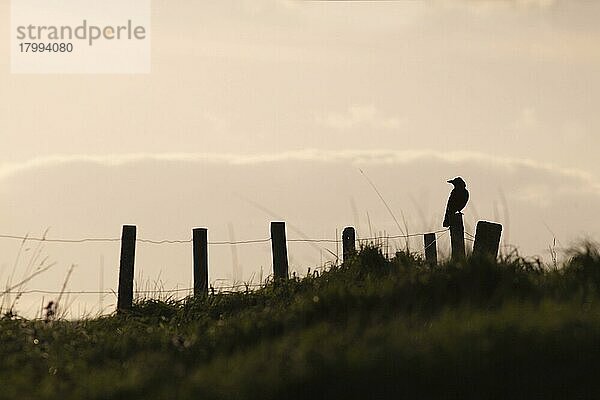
(372, 328)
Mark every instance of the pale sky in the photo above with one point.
(278, 103)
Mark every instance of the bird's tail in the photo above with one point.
(446, 223)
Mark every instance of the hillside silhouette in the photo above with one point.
(370, 328)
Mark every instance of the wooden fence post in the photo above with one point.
(279, 248)
(348, 243)
(200, 251)
(487, 239)
(457, 236)
(125, 297)
(430, 249)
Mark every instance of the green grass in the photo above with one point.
(373, 328)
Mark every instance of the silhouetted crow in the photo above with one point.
(457, 200)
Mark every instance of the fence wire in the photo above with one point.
(214, 243)
(213, 289)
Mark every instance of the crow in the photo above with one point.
(457, 200)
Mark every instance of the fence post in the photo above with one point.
(487, 239)
(200, 251)
(457, 236)
(348, 243)
(279, 248)
(430, 249)
(125, 297)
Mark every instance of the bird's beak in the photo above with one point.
(450, 181)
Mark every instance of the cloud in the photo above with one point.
(362, 157)
(527, 121)
(360, 116)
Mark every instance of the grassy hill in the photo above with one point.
(372, 328)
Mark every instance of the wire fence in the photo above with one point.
(138, 292)
(189, 290)
(214, 243)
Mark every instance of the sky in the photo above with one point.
(268, 110)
